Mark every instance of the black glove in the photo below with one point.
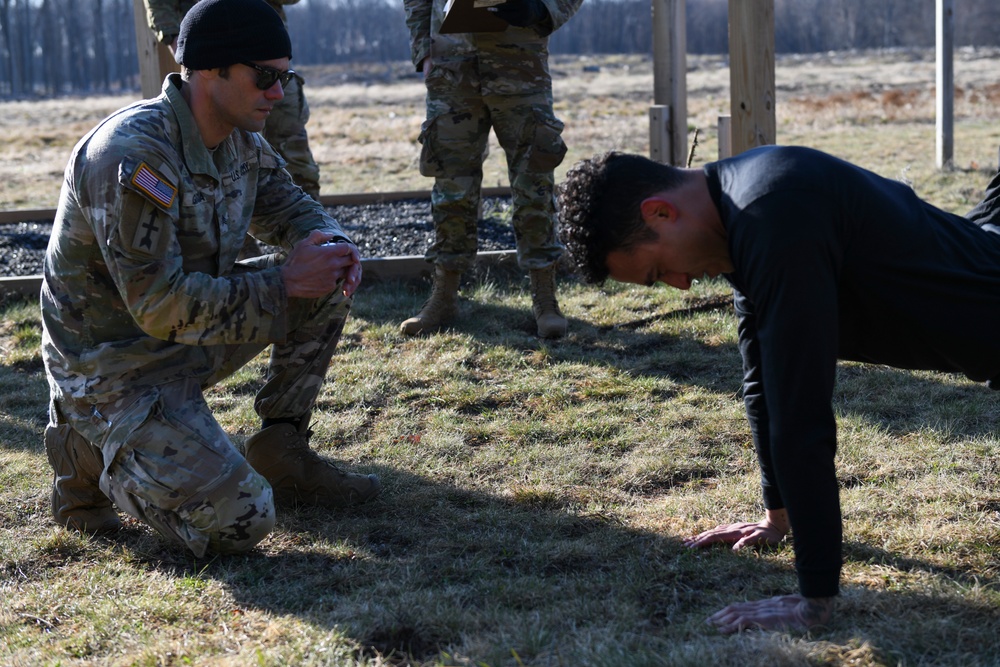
(522, 13)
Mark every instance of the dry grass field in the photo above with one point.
(875, 109)
(536, 493)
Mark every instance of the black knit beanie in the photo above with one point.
(219, 33)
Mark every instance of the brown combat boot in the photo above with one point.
(299, 475)
(77, 500)
(550, 320)
(440, 308)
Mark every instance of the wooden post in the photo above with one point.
(668, 116)
(660, 134)
(155, 59)
(945, 83)
(751, 73)
(725, 136)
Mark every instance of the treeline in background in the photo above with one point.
(56, 47)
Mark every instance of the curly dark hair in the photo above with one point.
(599, 207)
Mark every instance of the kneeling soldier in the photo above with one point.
(144, 304)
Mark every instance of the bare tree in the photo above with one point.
(5, 48)
(101, 65)
(52, 52)
(978, 22)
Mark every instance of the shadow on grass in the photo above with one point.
(430, 567)
(902, 403)
(24, 395)
(859, 552)
(896, 400)
(433, 569)
(886, 619)
(627, 345)
(435, 564)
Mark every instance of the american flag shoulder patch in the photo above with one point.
(153, 185)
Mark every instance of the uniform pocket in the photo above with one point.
(163, 458)
(431, 163)
(547, 146)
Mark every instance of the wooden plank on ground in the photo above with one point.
(346, 199)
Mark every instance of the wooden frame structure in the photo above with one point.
(155, 59)
(668, 115)
(752, 120)
(751, 79)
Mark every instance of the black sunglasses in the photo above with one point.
(266, 76)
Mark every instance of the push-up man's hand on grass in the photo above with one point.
(770, 531)
(783, 612)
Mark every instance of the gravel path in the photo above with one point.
(380, 230)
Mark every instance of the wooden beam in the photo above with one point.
(25, 286)
(344, 199)
(751, 73)
(403, 268)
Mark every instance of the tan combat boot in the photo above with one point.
(551, 323)
(77, 501)
(440, 308)
(299, 475)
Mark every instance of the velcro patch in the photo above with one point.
(153, 185)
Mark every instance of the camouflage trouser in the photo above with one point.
(988, 210)
(286, 131)
(464, 100)
(168, 462)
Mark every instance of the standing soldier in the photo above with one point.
(476, 81)
(286, 127)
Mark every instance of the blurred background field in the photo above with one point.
(873, 108)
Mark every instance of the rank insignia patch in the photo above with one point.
(156, 188)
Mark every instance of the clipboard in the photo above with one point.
(471, 16)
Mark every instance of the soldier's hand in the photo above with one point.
(315, 267)
(522, 13)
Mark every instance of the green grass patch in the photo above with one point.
(536, 495)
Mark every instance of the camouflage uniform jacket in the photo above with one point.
(141, 284)
(164, 16)
(424, 17)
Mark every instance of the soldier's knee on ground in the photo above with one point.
(238, 513)
(230, 518)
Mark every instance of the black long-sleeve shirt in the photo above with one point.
(835, 262)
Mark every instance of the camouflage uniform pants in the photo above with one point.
(465, 98)
(168, 462)
(286, 131)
